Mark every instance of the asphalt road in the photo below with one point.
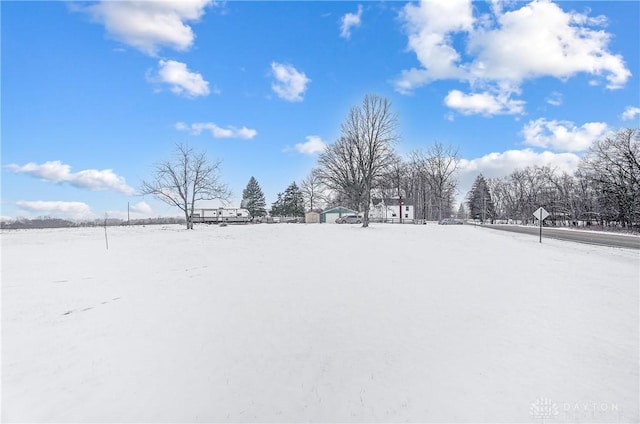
(580, 236)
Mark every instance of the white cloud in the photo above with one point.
(181, 126)
(217, 132)
(290, 84)
(75, 210)
(506, 48)
(562, 135)
(140, 210)
(501, 164)
(314, 144)
(91, 179)
(410, 79)
(630, 113)
(554, 99)
(540, 39)
(141, 207)
(350, 20)
(182, 81)
(484, 103)
(429, 26)
(149, 25)
(436, 17)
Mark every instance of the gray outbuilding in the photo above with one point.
(329, 216)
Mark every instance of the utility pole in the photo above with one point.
(106, 238)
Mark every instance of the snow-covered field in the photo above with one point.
(323, 323)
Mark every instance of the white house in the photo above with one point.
(391, 210)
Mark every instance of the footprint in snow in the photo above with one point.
(91, 307)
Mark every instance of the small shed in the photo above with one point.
(329, 216)
(312, 217)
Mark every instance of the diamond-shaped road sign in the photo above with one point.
(541, 214)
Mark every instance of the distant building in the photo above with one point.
(388, 210)
(312, 217)
(329, 216)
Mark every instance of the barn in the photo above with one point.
(329, 216)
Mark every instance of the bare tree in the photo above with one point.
(356, 163)
(339, 172)
(442, 164)
(588, 206)
(186, 179)
(421, 193)
(524, 190)
(395, 179)
(605, 187)
(312, 189)
(612, 165)
(433, 180)
(557, 194)
(519, 193)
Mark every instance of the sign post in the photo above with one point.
(540, 214)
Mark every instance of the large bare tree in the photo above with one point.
(339, 172)
(186, 179)
(357, 162)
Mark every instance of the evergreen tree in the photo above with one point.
(277, 207)
(294, 200)
(253, 199)
(479, 199)
(291, 203)
(462, 212)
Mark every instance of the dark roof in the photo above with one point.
(393, 201)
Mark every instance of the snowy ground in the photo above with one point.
(322, 323)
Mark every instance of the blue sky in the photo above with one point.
(95, 93)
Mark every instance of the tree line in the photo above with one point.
(605, 188)
(363, 165)
(51, 222)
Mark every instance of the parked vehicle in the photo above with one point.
(349, 219)
(451, 221)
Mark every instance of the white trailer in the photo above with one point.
(220, 215)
